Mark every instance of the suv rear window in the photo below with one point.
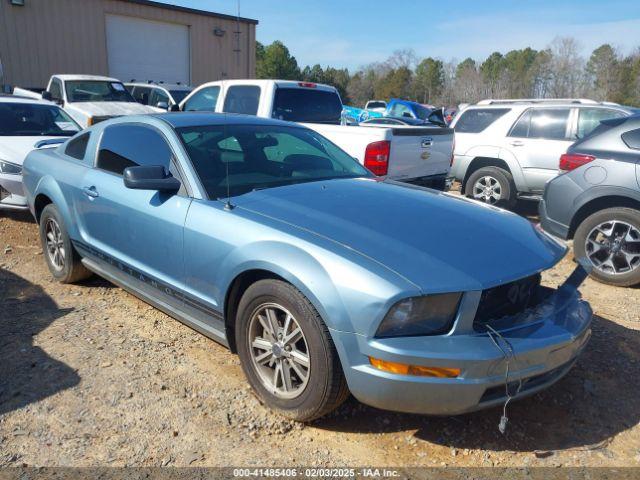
(478, 119)
(307, 105)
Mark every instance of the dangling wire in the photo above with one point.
(502, 426)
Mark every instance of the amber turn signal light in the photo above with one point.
(417, 370)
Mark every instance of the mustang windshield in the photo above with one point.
(263, 156)
(31, 120)
(97, 91)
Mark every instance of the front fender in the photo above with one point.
(294, 265)
(347, 295)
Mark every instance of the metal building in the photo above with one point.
(126, 39)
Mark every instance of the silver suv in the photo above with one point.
(509, 149)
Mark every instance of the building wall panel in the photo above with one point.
(68, 36)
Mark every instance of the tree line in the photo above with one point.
(558, 71)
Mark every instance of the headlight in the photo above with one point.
(10, 168)
(428, 315)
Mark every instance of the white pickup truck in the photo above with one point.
(89, 99)
(419, 155)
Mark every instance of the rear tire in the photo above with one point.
(62, 259)
(493, 186)
(610, 240)
(269, 313)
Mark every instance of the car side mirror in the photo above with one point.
(150, 177)
(407, 114)
(174, 108)
(163, 105)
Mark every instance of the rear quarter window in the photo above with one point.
(77, 147)
(632, 138)
(478, 119)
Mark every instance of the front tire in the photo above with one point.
(287, 353)
(610, 240)
(62, 259)
(492, 185)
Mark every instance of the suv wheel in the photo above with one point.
(62, 259)
(286, 352)
(610, 239)
(492, 185)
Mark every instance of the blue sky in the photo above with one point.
(351, 33)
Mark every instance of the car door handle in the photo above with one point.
(90, 192)
(517, 143)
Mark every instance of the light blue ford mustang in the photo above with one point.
(325, 280)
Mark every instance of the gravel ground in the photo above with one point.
(92, 376)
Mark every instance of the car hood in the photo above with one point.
(15, 149)
(438, 242)
(109, 108)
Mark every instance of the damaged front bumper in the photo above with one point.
(546, 340)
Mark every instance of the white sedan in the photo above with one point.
(25, 122)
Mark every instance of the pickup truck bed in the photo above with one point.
(420, 155)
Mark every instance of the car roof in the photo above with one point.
(166, 86)
(264, 83)
(195, 119)
(549, 103)
(68, 77)
(5, 98)
(410, 102)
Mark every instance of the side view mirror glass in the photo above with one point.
(163, 105)
(150, 177)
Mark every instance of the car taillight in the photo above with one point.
(376, 157)
(307, 84)
(571, 161)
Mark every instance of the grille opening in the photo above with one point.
(509, 299)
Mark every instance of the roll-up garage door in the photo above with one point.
(147, 50)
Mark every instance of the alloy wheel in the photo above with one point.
(55, 244)
(487, 189)
(614, 247)
(279, 351)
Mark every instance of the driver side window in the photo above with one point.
(126, 145)
(203, 101)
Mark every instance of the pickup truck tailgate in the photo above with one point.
(420, 152)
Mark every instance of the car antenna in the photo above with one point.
(228, 205)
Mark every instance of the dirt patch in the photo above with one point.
(90, 375)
